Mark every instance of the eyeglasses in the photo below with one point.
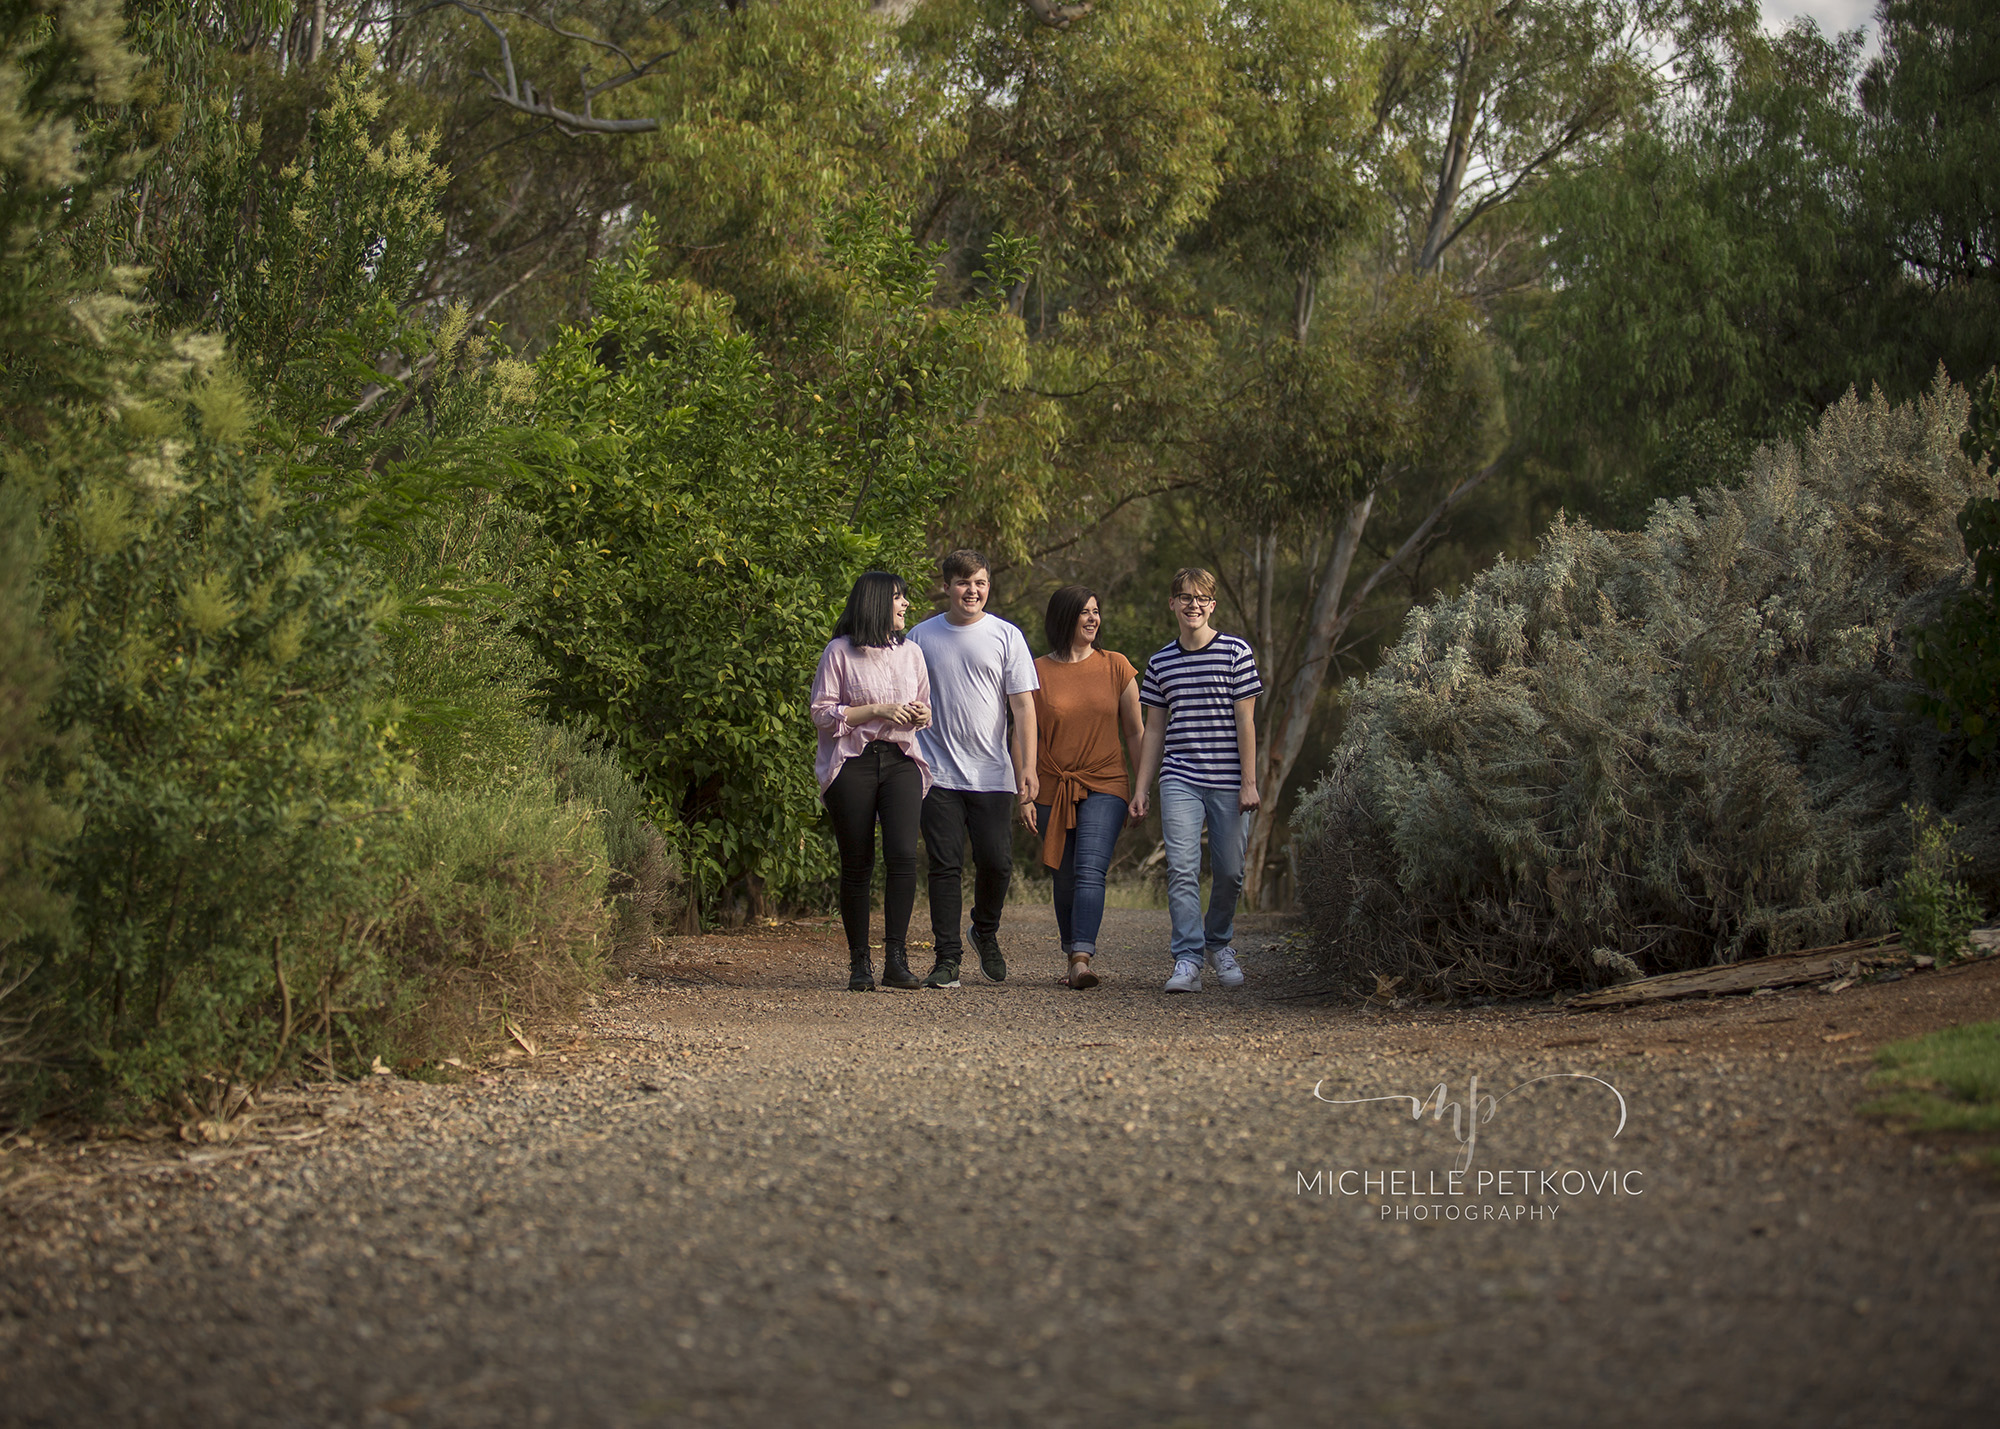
(1194, 600)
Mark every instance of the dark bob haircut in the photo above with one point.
(1065, 610)
(870, 618)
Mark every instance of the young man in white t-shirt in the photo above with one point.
(980, 670)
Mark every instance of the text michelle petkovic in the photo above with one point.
(1466, 1192)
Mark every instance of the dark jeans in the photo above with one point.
(1086, 855)
(949, 814)
(879, 782)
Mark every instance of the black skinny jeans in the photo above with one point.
(879, 782)
(949, 815)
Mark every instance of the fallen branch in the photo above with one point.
(1784, 970)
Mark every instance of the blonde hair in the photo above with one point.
(1198, 581)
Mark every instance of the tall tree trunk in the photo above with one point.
(1284, 735)
(1267, 581)
(1285, 731)
(1457, 154)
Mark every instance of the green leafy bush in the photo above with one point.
(1934, 908)
(33, 826)
(644, 883)
(1677, 747)
(502, 913)
(302, 252)
(707, 509)
(230, 765)
(235, 837)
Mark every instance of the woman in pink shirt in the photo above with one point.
(870, 697)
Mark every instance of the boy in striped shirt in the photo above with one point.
(1200, 694)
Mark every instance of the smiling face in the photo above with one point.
(1088, 623)
(1191, 610)
(899, 606)
(965, 597)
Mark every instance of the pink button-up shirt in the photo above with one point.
(851, 674)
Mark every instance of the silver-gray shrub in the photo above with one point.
(1642, 752)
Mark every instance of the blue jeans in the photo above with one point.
(1183, 809)
(1080, 878)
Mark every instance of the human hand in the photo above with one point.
(1031, 786)
(1028, 819)
(1246, 797)
(922, 712)
(1136, 806)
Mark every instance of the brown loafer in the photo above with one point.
(1080, 975)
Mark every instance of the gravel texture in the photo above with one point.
(735, 1194)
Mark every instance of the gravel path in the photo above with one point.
(737, 1195)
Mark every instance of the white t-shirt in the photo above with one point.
(973, 670)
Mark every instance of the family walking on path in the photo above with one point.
(952, 731)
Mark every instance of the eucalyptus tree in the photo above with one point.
(1789, 225)
(1398, 134)
(1929, 181)
(1485, 99)
(1703, 283)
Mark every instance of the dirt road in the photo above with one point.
(738, 1195)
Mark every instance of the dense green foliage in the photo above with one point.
(32, 824)
(1958, 657)
(1794, 226)
(706, 511)
(1934, 909)
(214, 846)
(218, 645)
(1659, 750)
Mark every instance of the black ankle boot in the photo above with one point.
(860, 973)
(896, 971)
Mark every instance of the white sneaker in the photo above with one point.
(1187, 975)
(1222, 962)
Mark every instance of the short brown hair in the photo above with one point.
(963, 564)
(1198, 581)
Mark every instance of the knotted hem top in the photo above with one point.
(1077, 748)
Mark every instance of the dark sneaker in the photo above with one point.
(990, 961)
(944, 973)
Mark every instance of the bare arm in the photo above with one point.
(1246, 752)
(1131, 721)
(1151, 749)
(1021, 743)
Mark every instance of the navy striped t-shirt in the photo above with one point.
(1199, 689)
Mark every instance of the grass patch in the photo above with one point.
(1944, 1083)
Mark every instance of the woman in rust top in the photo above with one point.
(1086, 698)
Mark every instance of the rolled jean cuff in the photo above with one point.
(1081, 949)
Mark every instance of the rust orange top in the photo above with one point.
(1076, 738)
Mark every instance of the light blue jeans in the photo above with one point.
(1184, 808)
